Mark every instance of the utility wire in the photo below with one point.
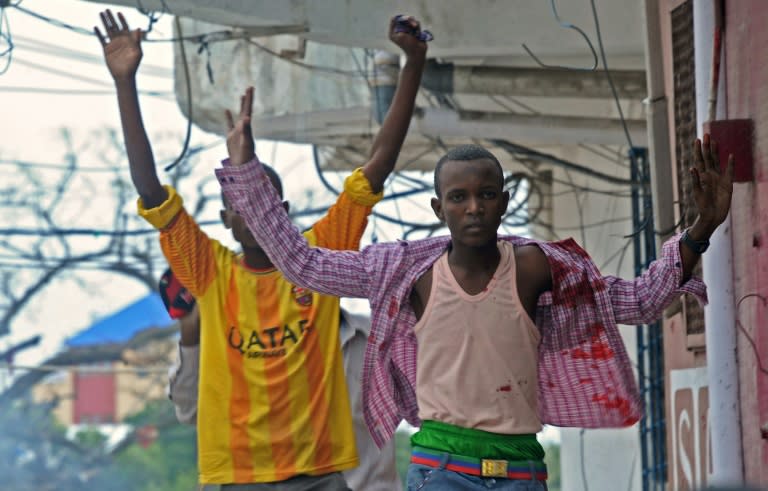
(84, 368)
(49, 49)
(520, 150)
(596, 18)
(166, 95)
(188, 82)
(6, 38)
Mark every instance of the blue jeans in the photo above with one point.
(424, 477)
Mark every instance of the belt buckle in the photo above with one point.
(494, 468)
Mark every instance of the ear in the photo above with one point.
(505, 197)
(287, 206)
(437, 207)
(225, 219)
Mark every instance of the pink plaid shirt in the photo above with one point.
(585, 376)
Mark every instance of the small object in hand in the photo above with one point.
(402, 24)
(176, 298)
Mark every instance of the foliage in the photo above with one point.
(35, 454)
(552, 459)
(402, 453)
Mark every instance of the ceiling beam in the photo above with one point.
(528, 129)
(538, 82)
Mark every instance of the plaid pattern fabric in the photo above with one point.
(585, 376)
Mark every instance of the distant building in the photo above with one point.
(107, 392)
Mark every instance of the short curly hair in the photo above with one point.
(466, 153)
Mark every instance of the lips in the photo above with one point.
(475, 227)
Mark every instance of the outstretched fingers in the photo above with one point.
(112, 22)
(246, 104)
(230, 120)
(102, 39)
(729, 168)
(698, 158)
(706, 151)
(123, 22)
(112, 27)
(715, 156)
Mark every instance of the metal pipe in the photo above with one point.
(661, 179)
(657, 117)
(386, 70)
(531, 128)
(719, 315)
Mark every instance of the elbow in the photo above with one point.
(296, 272)
(653, 311)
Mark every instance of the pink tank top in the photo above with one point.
(478, 354)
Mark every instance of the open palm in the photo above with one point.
(712, 188)
(122, 47)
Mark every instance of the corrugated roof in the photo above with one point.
(123, 324)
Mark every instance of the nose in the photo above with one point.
(474, 206)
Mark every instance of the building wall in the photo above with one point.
(134, 387)
(94, 401)
(89, 397)
(746, 79)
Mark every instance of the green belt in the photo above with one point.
(455, 440)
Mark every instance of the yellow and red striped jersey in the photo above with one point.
(272, 398)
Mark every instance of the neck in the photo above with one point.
(255, 258)
(482, 257)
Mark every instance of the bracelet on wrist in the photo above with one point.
(697, 246)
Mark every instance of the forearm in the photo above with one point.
(338, 273)
(644, 299)
(183, 384)
(138, 148)
(389, 140)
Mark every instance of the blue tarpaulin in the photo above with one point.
(123, 324)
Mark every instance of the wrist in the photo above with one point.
(189, 341)
(415, 60)
(125, 82)
(697, 246)
(701, 230)
(241, 160)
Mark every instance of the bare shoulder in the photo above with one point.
(533, 264)
(530, 254)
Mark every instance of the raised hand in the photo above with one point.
(407, 41)
(712, 188)
(240, 144)
(122, 47)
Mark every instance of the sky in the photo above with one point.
(57, 80)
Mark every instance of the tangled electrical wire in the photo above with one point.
(521, 187)
(6, 38)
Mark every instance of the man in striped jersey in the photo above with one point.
(377, 470)
(273, 409)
